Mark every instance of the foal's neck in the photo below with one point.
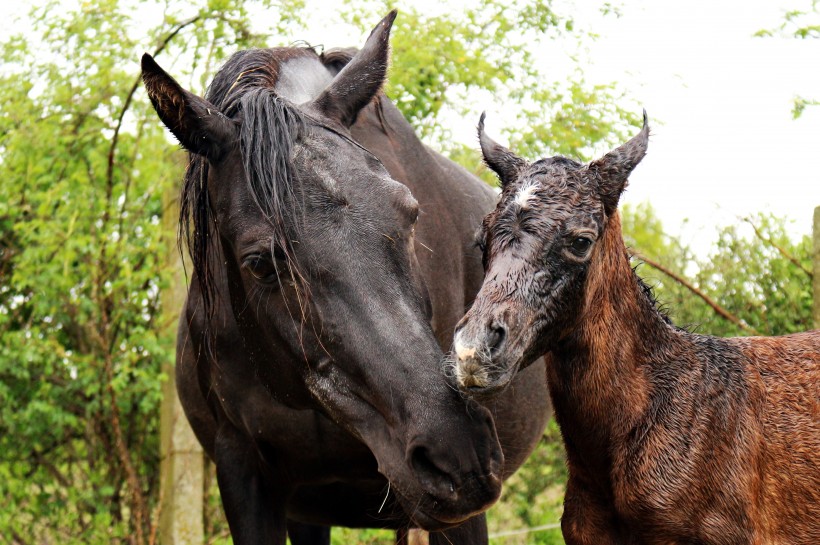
(598, 381)
(616, 310)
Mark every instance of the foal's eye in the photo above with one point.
(480, 239)
(580, 246)
(262, 268)
(481, 244)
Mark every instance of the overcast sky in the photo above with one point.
(724, 143)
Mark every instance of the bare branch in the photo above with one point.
(140, 510)
(722, 312)
(782, 251)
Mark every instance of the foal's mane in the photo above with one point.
(243, 90)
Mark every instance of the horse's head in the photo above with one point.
(318, 254)
(538, 245)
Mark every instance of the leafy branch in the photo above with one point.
(779, 248)
(719, 310)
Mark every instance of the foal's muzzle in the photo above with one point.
(476, 348)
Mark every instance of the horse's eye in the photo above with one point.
(279, 254)
(262, 268)
(580, 246)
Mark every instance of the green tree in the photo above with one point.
(455, 63)
(755, 272)
(84, 165)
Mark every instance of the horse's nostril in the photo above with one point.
(433, 478)
(496, 337)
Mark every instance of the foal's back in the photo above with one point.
(786, 375)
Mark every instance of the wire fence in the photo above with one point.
(522, 531)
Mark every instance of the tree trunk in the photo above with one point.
(182, 460)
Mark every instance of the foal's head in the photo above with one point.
(538, 245)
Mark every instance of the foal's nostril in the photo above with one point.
(496, 337)
(433, 478)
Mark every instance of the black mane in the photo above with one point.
(651, 298)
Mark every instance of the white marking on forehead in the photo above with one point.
(525, 193)
(302, 79)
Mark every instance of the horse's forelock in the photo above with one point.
(250, 69)
(270, 127)
(244, 86)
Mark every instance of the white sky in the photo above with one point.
(724, 143)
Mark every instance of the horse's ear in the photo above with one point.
(613, 169)
(359, 81)
(503, 162)
(198, 125)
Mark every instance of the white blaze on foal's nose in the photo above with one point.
(464, 352)
(469, 371)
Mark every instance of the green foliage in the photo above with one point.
(800, 23)
(346, 536)
(442, 62)
(800, 104)
(79, 349)
(755, 271)
(573, 121)
(533, 498)
(82, 259)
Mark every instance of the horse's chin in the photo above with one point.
(435, 522)
(430, 523)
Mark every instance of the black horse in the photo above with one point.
(310, 349)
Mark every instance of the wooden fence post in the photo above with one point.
(182, 459)
(816, 269)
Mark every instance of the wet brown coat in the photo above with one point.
(674, 437)
(671, 437)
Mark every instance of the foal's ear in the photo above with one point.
(198, 125)
(503, 162)
(360, 79)
(614, 167)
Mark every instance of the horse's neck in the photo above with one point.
(598, 382)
